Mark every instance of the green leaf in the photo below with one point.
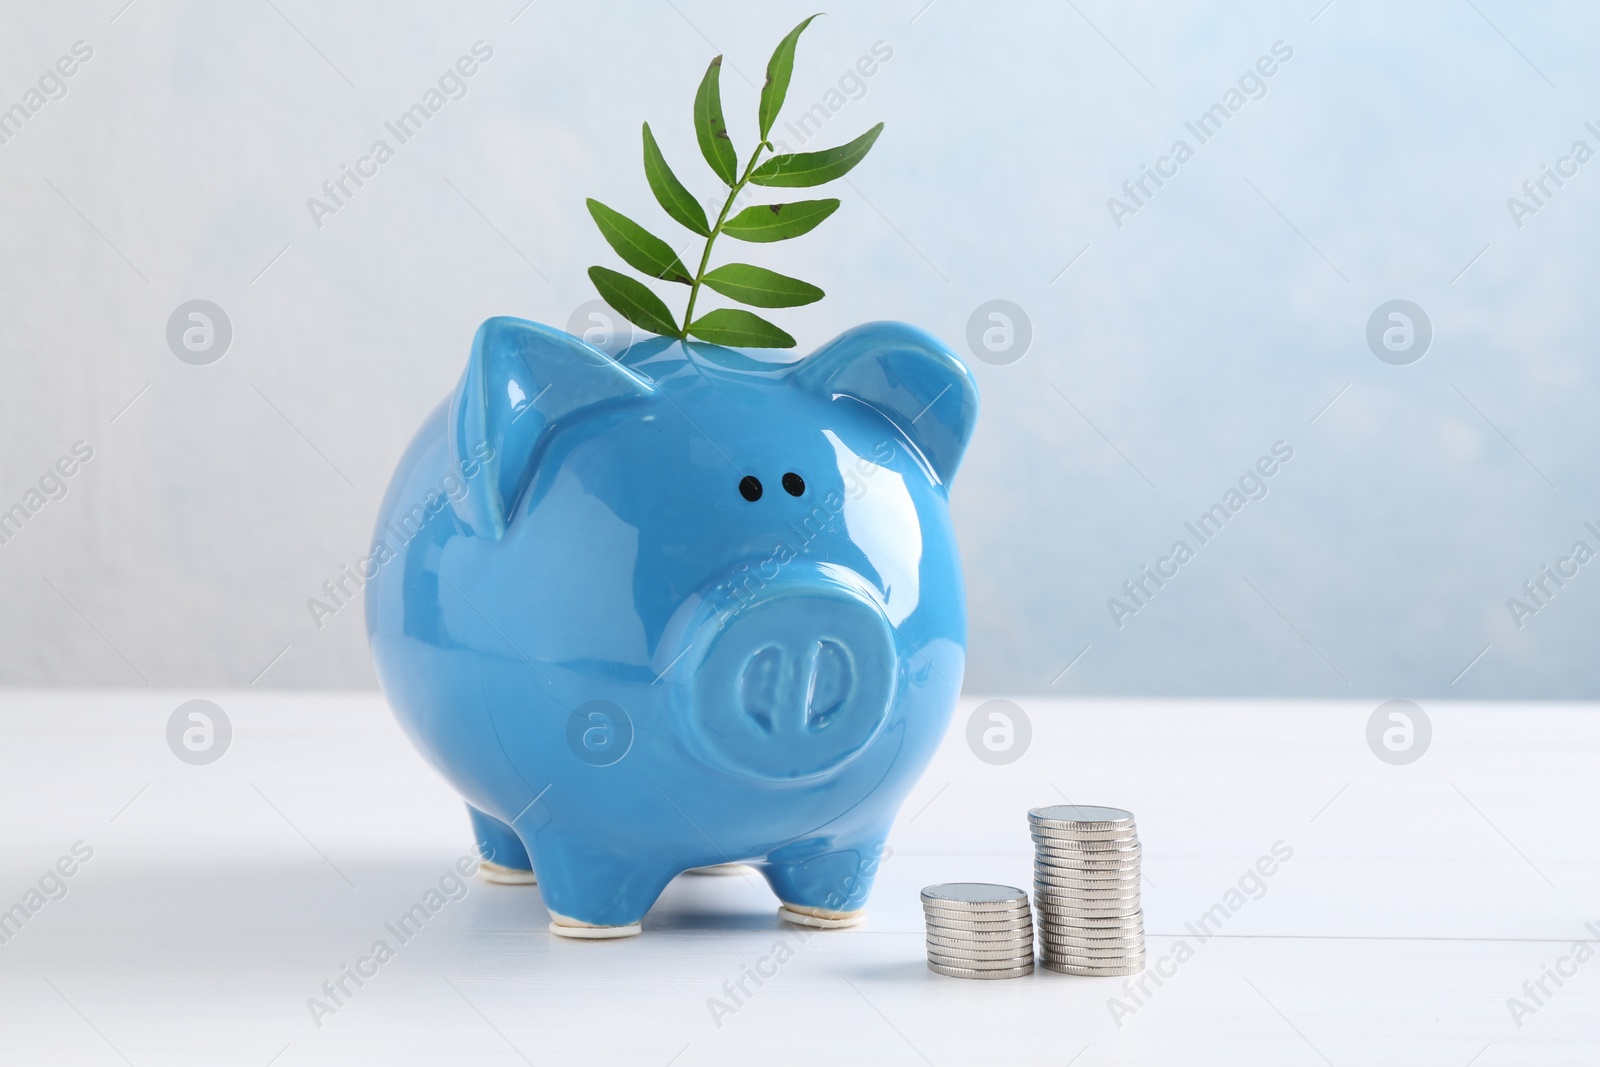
(633, 301)
(735, 326)
(760, 287)
(778, 222)
(670, 193)
(711, 130)
(639, 248)
(779, 68)
(802, 169)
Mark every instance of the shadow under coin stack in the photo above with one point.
(1086, 889)
(978, 930)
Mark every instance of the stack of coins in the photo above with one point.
(977, 930)
(1086, 889)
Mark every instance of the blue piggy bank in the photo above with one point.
(679, 608)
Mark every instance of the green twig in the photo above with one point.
(705, 256)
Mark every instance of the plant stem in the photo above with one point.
(705, 256)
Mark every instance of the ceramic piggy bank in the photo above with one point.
(679, 608)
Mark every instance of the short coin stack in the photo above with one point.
(1086, 889)
(977, 930)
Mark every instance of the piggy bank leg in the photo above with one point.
(823, 883)
(502, 857)
(595, 893)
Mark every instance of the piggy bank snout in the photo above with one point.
(794, 682)
(788, 690)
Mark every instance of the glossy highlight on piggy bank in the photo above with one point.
(683, 607)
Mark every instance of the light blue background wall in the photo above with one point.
(1178, 347)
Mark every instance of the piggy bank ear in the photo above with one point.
(523, 381)
(914, 381)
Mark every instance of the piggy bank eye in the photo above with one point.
(793, 484)
(750, 487)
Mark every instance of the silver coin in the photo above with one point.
(1047, 892)
(1053, 839)
(1047, 897)
(1092, 972)
(1068, 839)
(1017, 916)
(1057, 894)
(1095, 879)
(1071, 839)
(1115, 860)
(1066, 914)
(1062, 833)
(958, 945)
(979, 894)
(1092, 930)
(1021, 901)
(940, 923)
(988, 915)
(1075, 889)
(1043, 871)
(1070, 892)
(1016, 922)
(983, 957)
(1070, 833)
(1112, 857)
(1092, 933)
(1123, 864)
(1096, 921)
(968, 972)
(1072, 943)
(967, 932)
(1088, 833)
(996, 922)
(1086, 888)
(1092, 874)
(1083, 825)
(1064, 917)
(1122, 959)
(1089, 887)
(1010, 957)
(1087, 907)
(1096, 852)
(1098, 962)
(1079, 915)
(1088, 816)
(1123, 952)
(978, 939)
(1095, 936)
(1059, 849)
(1039, 826)
(1112, 868)
(1050, 907)
(1023, 951)
(983, 938)
(997, 965)
(1075, 869)
(968, 965)
(1091, 959)
(1057, 941)
(982, 963)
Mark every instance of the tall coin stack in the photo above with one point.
(1086, 889)
(977, 930)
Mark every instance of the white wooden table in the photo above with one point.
(219, 899)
